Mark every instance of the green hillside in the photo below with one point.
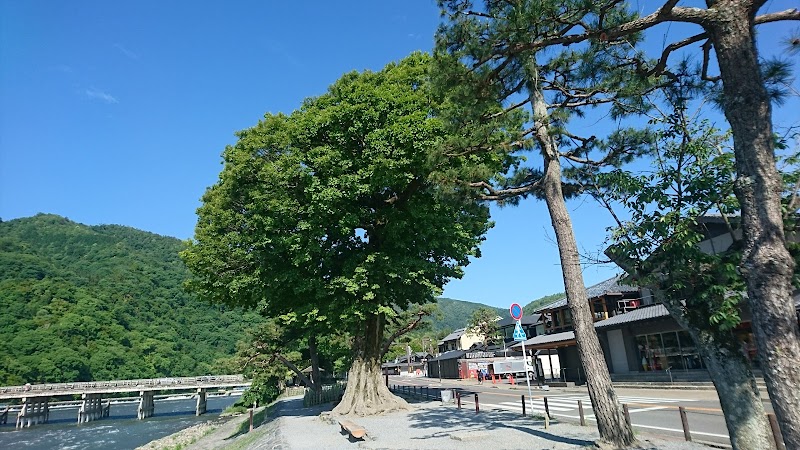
(103, 302)
(456, 313)
(83, 303)
(542, 301)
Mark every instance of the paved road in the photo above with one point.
(654, 410)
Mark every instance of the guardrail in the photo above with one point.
(145, 382)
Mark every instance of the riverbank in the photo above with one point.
(428, 425)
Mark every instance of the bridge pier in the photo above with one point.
(92, 408)
(34, 411)
(146, 405)
(201, 402)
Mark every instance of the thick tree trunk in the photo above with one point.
(739, 398)
(766, 264)
(316, 379)
(611, 424)
(366, 392)
(732, 375)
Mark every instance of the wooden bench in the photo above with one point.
(355, 431)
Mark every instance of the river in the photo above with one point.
(121, 430)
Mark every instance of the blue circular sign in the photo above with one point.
(516, 311)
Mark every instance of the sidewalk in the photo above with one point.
(522, 388)
(430, 425)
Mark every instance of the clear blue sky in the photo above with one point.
(117, 112)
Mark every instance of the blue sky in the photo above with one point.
(117, 112)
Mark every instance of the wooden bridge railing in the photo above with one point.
(166, 383)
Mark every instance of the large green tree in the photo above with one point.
(332, 213)
(483, 323)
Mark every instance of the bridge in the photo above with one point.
(34, 398)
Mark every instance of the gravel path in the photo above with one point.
(429, 425)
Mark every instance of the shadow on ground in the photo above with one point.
(454, 421)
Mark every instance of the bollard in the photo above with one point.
(685, 424)
(523, 404)
(458, 398)
(627, 414)
(776, 431)
(580, 412)
(546, 408)
(477, 408)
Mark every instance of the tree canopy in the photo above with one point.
(332, 212)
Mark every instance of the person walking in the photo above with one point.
(480, 376)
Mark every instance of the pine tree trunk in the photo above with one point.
(733, 378)
(766, 264)
(366, 393)
(739, 398)
(611, 424)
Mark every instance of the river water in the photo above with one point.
(121, 430)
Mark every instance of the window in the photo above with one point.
(662, 351)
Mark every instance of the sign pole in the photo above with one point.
(519, 335)
(527, 377)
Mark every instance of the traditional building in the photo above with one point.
(460, 339)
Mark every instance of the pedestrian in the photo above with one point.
(480, 376)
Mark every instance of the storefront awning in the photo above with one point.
(547, 341)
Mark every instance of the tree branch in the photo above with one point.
(662, 62)
(706, 56)
(294, 369)
(493, 194)
(789, 14)
(410, 326)
(668, 12)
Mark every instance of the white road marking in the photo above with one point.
(654, 408)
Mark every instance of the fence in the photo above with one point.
(681, 410)
(294, 390)
(417, 392)
(329, 393)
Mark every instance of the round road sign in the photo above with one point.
(516, 311)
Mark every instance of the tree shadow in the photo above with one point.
(453, 421)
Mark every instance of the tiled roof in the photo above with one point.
(601, 288)
(529, 319)
(454, 335)
(549, 338)
(638, 314)
(452, 354)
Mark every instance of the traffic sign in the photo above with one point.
(519, 335)
(516, 311)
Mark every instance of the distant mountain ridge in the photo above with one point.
(456, 313)
(83, 303)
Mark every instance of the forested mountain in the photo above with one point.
(542, 301)
(456, 313)
(102, 302)
(81, 303)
